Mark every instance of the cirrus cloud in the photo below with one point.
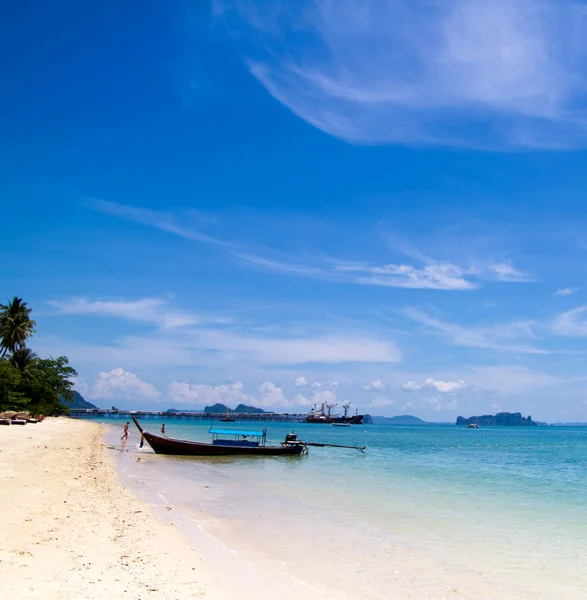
(488, 73)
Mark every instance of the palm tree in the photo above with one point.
(16, 325)
(23, 359)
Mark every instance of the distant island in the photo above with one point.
(241, 408)
(500, 419)
(222, 408)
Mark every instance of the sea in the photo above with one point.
(426, 512)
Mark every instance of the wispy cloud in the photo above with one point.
(435, 276)
(571, 323)
(182, 339)
(506, 73)
(186, 226)
(505, 271)
(431, 274)
(148, 310)
(565, 291)
(510, 337)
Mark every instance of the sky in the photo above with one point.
(282, 204)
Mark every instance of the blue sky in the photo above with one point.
(249, 202)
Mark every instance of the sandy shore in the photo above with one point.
(69, 530)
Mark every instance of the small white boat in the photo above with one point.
(472, 426)
(341, 424)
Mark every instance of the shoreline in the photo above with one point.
(72, 528)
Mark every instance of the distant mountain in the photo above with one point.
(500, 419)
(577, 424)
(241, 408)
(77, 401)
(399, 420)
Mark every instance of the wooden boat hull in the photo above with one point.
(166, 445)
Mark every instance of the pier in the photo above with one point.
(92, 413)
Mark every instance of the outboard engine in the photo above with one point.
(291, 438)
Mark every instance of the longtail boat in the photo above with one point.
(225, 442)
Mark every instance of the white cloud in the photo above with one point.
(319, 395)
(200, 393)
(438, 403)
(510, 337)
(381, 401)
(270, 395)
(377, 384)
(122, 385)
(303, 400)
(149, 310)
(325, 385)
(444, 387)
(505, 73)
(565, 291)
(326, 396)
(301, 382)
(571, 323)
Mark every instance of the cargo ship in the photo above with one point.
(325, 414)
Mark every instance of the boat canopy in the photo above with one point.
(237, 432)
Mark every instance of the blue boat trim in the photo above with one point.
(237, 432)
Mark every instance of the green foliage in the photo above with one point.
(24, 359)
(28, 382)
(11, 395)
(16, 325)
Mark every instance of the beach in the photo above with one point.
(71, 530)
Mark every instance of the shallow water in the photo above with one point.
(426, 512)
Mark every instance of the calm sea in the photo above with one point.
(426, 512)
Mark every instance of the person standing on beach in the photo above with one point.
(125, 429)
(163, 428)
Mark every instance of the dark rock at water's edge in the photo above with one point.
(241, 408)
(77, 401)
(399, 420)
(508, 419)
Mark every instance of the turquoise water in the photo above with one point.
(425, 512)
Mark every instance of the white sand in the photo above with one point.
(69, 530)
